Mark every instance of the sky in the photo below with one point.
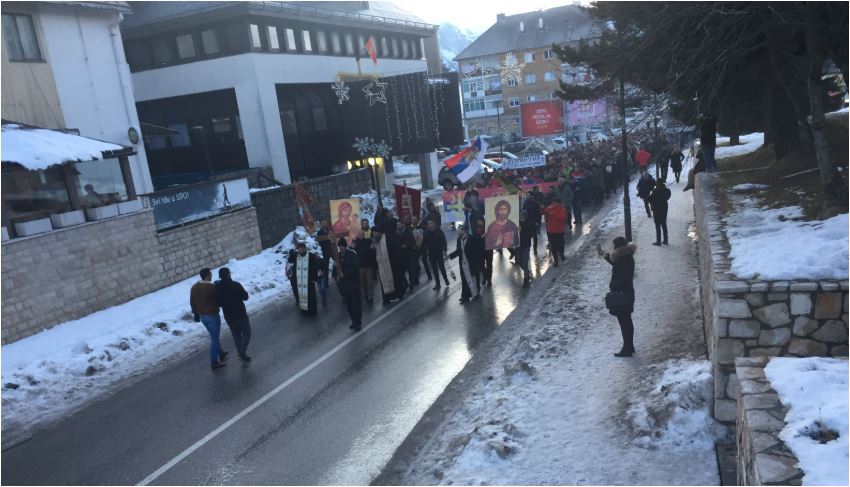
(473, 15)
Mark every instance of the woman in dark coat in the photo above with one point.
(622, 279)
(676, 158)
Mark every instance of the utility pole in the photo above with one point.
(498, 105)
(627, 209)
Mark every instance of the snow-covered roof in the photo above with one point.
(38, 148)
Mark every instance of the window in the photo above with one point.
(106, 180)
(361, 46)
(471, 85)
(209, 40)
(221, 125)
(414, 47)
(181, 138)
(274, 42)
(290, 40)
(528, 57)
(335, 43)
(404, 48)
(349, 44)
(322, 42)
(547, 54)
(385, 47)
(256, 43)
(511, 81)
(395, 47)
(473, 105)
(161, 52)
(513, 101)
(185, 46)
(21, 41)
(138, 55)
(530, 79)
(549, 76)
(532, 97)
(319, 120)
(290, 126)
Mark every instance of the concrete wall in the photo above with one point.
(277, 212)
(754, 318)
(66, 274)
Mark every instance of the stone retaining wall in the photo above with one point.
(277, 212)
(752, 318)
(763, 458)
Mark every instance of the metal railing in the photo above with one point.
(342, 15)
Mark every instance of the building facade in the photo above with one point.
(64, 68)
(492, 106)
(236, 85)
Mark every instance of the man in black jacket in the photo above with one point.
(366, 256)
(644, 189)
(348, 282)
(658, 199)
(434, 244)
(532, 208)
(230, 297)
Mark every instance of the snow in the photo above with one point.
(41, 148)
(749, 143)
(60, 370)
(815, 391)
(747, 187)
(263, 190)
(401, 169)
(774, 243)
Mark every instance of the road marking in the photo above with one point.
(259, 402)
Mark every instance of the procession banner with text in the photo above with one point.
(345, 215)
(408, 201)
(501, 214)
(542, 118)
(524, 162)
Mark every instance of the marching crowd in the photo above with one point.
(403, 254)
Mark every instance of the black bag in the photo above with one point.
(617, 299)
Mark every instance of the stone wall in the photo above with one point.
(66, 274)
(763, 458)
(277, 213)
(752, 318)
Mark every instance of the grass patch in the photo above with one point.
(821, 433)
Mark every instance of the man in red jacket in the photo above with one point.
(642, 158)
(556, 225)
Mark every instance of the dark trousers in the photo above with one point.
(627, 328)
(534, 236)
(577, 210)
(556, 245)
(524, 254)
(487, 272)
(352, 304)
(439, 264)
(708, 158)
(677, 173)
(413, 269)
(660, 224)
(465, 291)
(240, 328)
(647, 207)
(664, 168)
(426, 265)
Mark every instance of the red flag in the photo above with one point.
(370, 49)
(303, 199)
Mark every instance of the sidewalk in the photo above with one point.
(546, 402)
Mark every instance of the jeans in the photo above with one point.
(438, 264)
(322, 284)
(213, 325)
(240, 328)
(627, 328)
(708, 159)
(660, 224)
(425, 263)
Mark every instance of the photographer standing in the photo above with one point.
(621, 300)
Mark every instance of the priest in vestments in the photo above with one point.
(470, 255)
(391, 264)
(304, 270)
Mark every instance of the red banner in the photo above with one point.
(542, 118)
(408, 201)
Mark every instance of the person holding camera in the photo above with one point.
(620, 301)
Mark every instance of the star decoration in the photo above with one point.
(511, 69)
(363, 146)
(382, 149)
(340, 90)
(376, 96)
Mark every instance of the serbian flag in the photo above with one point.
(467, 162)
(303, 200)
(370, 49)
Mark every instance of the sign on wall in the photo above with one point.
(542, 118)
(586, 112)
(185, 204)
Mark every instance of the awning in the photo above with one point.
(37, 148)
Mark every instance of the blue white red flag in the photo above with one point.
(467, 162)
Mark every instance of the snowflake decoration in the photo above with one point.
(477, 67)
(363, 146)
(340, 90)
(511, 69)
(375, 96)
(382, 149)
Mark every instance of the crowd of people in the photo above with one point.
(401, 254)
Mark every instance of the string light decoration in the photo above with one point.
(397, 114)
(340, 90)
(363, 146)
(511, 69)
(477, 66)
(379, 95)
(412, 83)
(369, 146)
(382, 149)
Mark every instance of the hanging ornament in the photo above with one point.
(340, 90)
(478, 70)
(397, 114)
(511, 69)
(382, 149)
(363, 146)
(375, 91)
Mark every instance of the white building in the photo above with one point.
(252, 80)
(64, 68)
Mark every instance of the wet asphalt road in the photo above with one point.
(348, 403)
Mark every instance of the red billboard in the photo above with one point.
(542, 118)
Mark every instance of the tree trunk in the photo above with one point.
(817, 125)
(783, 120)
(735, 124)
(767, 113)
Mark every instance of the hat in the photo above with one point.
(342, 242)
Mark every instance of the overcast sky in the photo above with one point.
(474, 15)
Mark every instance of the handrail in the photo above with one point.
(344, 15)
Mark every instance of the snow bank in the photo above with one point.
(749, 143)
(42, 148)
(771, 243)
(815, 391)
(401, 169)
(747, 187)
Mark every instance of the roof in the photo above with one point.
(122, 7)
(37, 148)
(561, 25)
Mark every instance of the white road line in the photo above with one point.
(259, 402)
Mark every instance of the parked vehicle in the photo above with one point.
(498, 156)
(447, 178)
